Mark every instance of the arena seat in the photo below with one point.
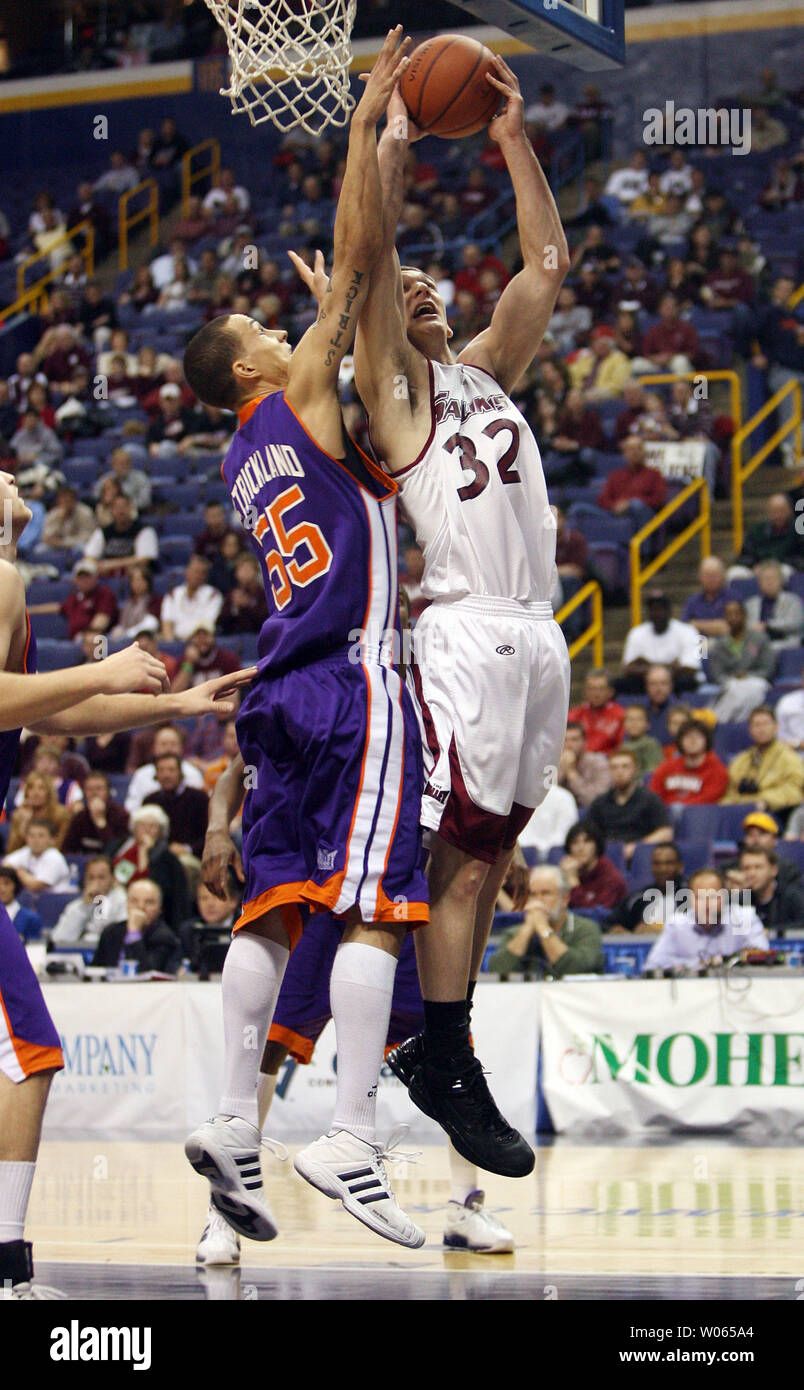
(792, 850)
(695, 854)
(712, 822)
(791, 663)
(53, 654)
(730, 739)
(49, 906)
(49, 625)
(118, 784)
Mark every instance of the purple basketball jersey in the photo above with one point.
(10, 740)
(325, 532)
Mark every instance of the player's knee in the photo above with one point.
(465, 885)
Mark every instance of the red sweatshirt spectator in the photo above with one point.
(593, 879)
(600, 716)
(636, 482)
(695, 776)
(671, 340)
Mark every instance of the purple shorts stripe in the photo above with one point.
(28, 1039)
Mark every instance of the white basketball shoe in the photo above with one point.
(470, 1227)
(219, 1244)
(352, 1171)
(226, 1151)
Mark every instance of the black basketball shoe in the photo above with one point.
(457, 1097)
(406, 1057)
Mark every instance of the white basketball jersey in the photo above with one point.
(476, 495)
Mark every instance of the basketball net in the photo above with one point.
(289, 60)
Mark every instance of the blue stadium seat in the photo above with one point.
(49, 625)
(731, 739)
(614, 852)
(792, 850)
(744, 588)
(50, 906)
(48, 590)
(791, 663)
(176, 550)
(82, 473)
(531, 855)
(796, 584)
(730, 821)
(118, 783)
(53, 655)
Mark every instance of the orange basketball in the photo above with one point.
(445, 87)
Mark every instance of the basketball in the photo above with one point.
(445, 87)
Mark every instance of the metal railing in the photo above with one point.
(735, 393)
(701, 525)
(127, 220)
(31, 296)
(740, 472)
(594, 632)
(190, 176)
(796, 297)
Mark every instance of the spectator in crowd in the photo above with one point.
(134, 482)
(172, 424)
(101, 900)
(244, 608)
(142, 290)
(650, 201)
(187, 808)
(120, 177)
(146, 855)
(570, 321)
(740, 665)
(695, 776)
(217, 527)
(165, 739)
(552, 940)
(662, 640)
(629, 812)
(602, 369)
(69, 523)
(548, 112)
(127, 541)
(775, 611)
(549, 823)
(87, 209)
(91, 607)
(170, 266)
(141, 606)
(773, 539)
(193, 225)
(211, 923)
(795, 825)
(644, 910)
(144, 936)
(593, 879)
(41, 867)
(779, 905)
(21, 381)
(635, 490)
(27, 922)
(51, 760)
(627, 183)
(169, 145)
(780, 351)
(190, 604)
(769, 773)
(638, 740)
(572, 551)
(672, 344)
(584, 774)
(706, 610)
(39, 801)
(599, 715)
(229, 749)
(708, 931)
(226, 197)
(760, 831)
(34, 442)
(99, 823)
(790, 715)
(203, 660)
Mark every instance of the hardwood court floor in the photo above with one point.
(698, 1219)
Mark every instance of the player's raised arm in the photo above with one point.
(357, 243)
(507, 347)
(104, 715)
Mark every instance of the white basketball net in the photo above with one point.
(289, 60)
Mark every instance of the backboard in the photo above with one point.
(587, 34)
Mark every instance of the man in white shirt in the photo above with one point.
(226, 196)
(550, 822)
(163, 268)
(665, 641)
(190, 604)
(678, 177)
(125, 542)
(41, 867)
(101, 901)
(790, 718)
(168, 739)
(548, 112)
(705, 927)
(627, 183)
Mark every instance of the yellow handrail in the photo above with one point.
(796, 297)
(127, 220)
(702, 524)
(87, 254)
(740, 473)
(735, 394)
(594, 632)
(189, 175)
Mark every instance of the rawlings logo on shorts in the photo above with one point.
(505, 651)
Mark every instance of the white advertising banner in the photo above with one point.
(684, 459)
(147, 1060)
(637, 1056)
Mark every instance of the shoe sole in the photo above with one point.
(320, 1177)
(400, 1068)
(204, 1263)
(480, 1159)
(246, 1216)
(461, 1243)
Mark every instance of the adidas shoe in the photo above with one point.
(352, 1171)
(470, 1227)
(458, 1098)
(406, 1057)
(226, 1151)
(219, 1244)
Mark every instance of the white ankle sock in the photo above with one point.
(463, 1176)
(15, 1189)
(360, 990)
(266, 1085)
(252, 975)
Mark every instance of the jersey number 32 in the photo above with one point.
(470, 463)
(285, 563)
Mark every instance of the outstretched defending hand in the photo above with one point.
(382, 79)
(219, 853)
(511, 120)
(207, 698)
(316, 280)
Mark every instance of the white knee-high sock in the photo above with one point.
(252, 975)
(15, 1189)
(360, 990)
(266, 1086)
(463, 1176)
